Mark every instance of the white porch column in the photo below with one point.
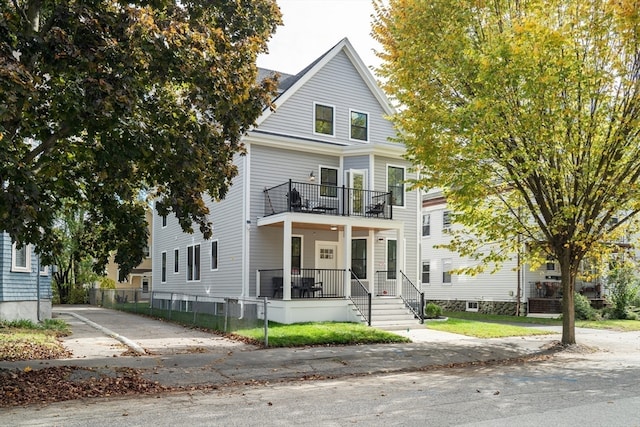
(286, 260)
(347, 260)
(401, 261)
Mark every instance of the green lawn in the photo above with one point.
(478, 329)
(321, 333)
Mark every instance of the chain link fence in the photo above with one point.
(226, 315)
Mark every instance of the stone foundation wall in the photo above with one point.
(486, 307)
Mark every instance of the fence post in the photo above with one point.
(170, 305)
(151, 306)
(226, 313)
(369, 309)
(421, 307)
(195, 310)
(266, 324)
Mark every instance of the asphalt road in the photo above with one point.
(572, 389)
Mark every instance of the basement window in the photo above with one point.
(472, 305)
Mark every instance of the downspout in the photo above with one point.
(38, 285)
(246, 228)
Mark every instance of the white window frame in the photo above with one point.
(472, 306)
(163, 267)
(337, 185)
(333, 118)
(446, 220)
(351, 111)
(427, 262)
(196, 268)
(217, 243)
(27, 259)
(176, 263)
(428, 225)
(164, 221)
(404, 179)
(44, 270)
(447, 266)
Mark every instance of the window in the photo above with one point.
(426, 225)
(426, 271)
(296, 254)
(359, 258)
(472, 305)
(392, 258)
(176, 260)
(164, 221)
(359, 126)
(214, 255)
(395, 185)
(44, 270)
(21, 259)
(446, 220)
(551, 265)
(164, 267)
(193, 262)
(145, 251)
(323, 119)
(329, 182)
(446, 271)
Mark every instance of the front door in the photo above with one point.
(327, 264)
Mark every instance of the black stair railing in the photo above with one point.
(412, 297)
(361, 298)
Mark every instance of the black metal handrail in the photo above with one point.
(412, 297)
(361, 298)
(293, 196)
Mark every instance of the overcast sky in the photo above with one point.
(311, 27)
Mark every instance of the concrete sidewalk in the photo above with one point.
(179, 356)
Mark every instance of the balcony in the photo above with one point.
(322, 199)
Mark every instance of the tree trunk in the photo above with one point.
(568, 287)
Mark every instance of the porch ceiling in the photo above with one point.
(326, 222)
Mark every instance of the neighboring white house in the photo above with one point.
(319, 210)
(507, 291)
(25, 286)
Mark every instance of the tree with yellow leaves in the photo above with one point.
(526, 114)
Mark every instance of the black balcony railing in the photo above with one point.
(305, 283)
(304, 197)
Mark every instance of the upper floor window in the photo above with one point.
(21, 259)
(164, 221)
(329, 182)
(176, 260)
(323, 119)
(359, 126)
(395, 184)
(426, 225)
(446, 220)
(193, 262)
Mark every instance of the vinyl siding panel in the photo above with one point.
(20, 286)
(500, 286)
(337, 84)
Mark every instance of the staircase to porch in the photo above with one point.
(390, 313)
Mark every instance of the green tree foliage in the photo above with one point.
(622, 286)
(103, 101)
(525, 113)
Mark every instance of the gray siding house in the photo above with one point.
(25, 286)
(319, 215)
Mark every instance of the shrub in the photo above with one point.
(432, 310)
(107, 283)
(622, 284)
(582, 307)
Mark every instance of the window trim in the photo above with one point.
(366, 254)
(470, 304)
(427, 225)
(196, 268)
(176, 261)
(366, 128)
(446, 219)
(333, 119)
(404, 188)
(446, 272)
(27, 259)
(163, 267)
(325, 186)
(217, 243)
(422, 272)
